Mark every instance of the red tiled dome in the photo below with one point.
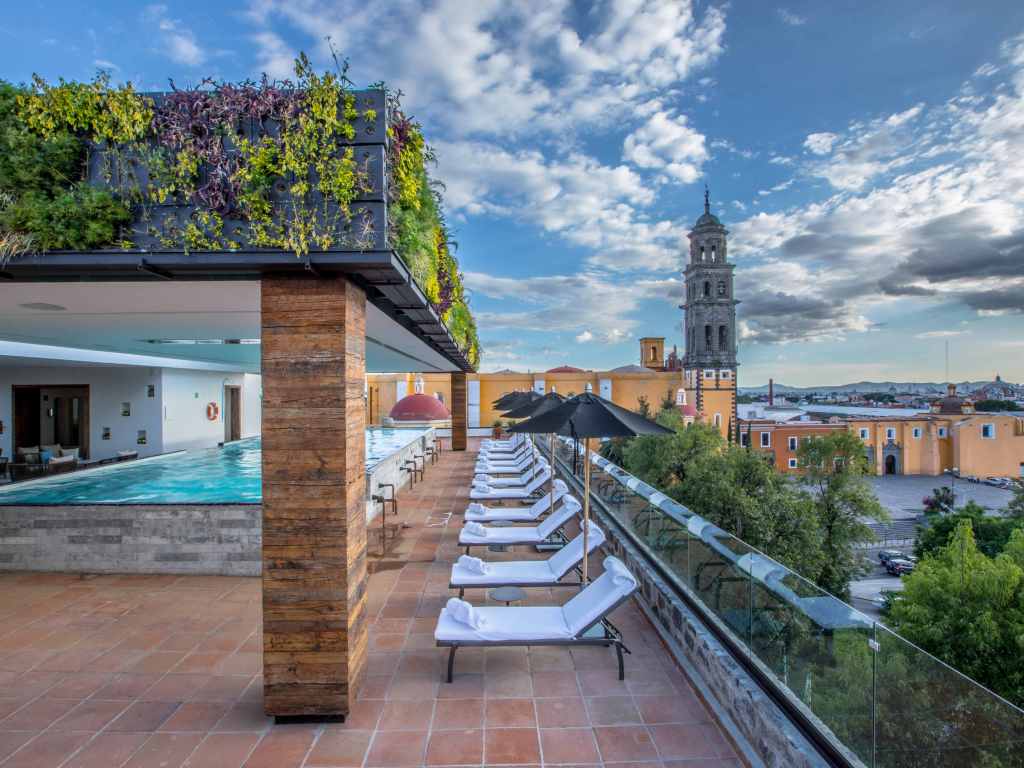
(688, 409)
(419, 407)
(565, 369)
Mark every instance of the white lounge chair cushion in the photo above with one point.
(482, 490)
(502, 624)
(474, 533)
(508, 482)
(515, 624)
(526, 572)
(483, 514)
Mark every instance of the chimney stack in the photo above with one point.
(771, 392)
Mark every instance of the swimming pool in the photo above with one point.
(228, 475)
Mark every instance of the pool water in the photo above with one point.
(228, 475)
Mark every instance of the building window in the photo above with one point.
(792, 463)
(707, 338)
(725, 374)
(721, 287)
(718, 419)
(709, 373)
(745, 439)
(943, 432)
(916, 433)
(707, 288)
(702, 253)
(714, 256)
(890, 433)
(792, 443)
(863, 433)
(766, 439)
(723, 338)
(988, 431)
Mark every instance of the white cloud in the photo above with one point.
(104, 64)
(583, 338)
(939, 334)
(178, 41)
(667, 143)
(790, 18)
(777, 188)
(820, 143)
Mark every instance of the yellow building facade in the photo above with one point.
(626, 387)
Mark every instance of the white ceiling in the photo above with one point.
(122, 317)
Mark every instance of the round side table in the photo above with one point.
(508, 595)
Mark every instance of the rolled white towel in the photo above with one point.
(476, 529)
(476, 507)
(481, 478)
(621, 576)
(473, 564)
(464, 613)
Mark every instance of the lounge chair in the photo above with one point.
(518, 479)
(581, 621)
(481, 513)
(484, 464)
(484, 491)
(477, 535)
(509, 445)
(471, 572)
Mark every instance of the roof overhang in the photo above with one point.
(210, 296)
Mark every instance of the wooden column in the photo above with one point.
(314, 487)
(458, 411)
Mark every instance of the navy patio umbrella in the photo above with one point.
(587, 416)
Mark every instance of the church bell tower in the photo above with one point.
(709, 365)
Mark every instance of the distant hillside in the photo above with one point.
(894, 387)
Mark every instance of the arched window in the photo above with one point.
(707, 338)
(702, 253)
(707, 287)
(723, 337)
(721, 287)
(718, 419)
(714, 256)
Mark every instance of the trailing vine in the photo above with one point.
(417, 228)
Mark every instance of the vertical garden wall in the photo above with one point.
(305, 166)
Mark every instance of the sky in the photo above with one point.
(867, 158)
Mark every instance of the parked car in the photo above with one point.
(898, 566)
(886, 555)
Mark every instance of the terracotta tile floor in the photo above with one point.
(148, 671)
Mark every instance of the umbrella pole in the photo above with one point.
(551, 482)
(586, 510)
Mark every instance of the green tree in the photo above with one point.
(996, 405)
(940, 502)
(990, 533)
(740, 492)
(668, 402)
(1015, 508)
(643, 406)
(968, 609)
(835, 469)
(662, 460)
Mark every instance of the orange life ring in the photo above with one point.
(212, 411)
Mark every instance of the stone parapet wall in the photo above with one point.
(769, 736)
(179, 539)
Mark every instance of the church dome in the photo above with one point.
(565, 369)
(707, 219)
(419, 407)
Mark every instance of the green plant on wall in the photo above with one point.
(222, 166)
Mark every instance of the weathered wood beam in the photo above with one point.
(314, 511)
(458, 411)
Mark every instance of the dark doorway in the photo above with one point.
(26, 417)
(890, 465)
(232, 413)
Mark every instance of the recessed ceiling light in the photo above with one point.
(201, 341)
(44, 306)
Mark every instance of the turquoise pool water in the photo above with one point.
(228, 475)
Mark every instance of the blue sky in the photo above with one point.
(866, 156)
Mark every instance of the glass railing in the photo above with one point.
(878, 697)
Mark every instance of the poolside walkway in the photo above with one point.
(147, 671)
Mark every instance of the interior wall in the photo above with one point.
(186, 397)
(252, 404)
(109, 387)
